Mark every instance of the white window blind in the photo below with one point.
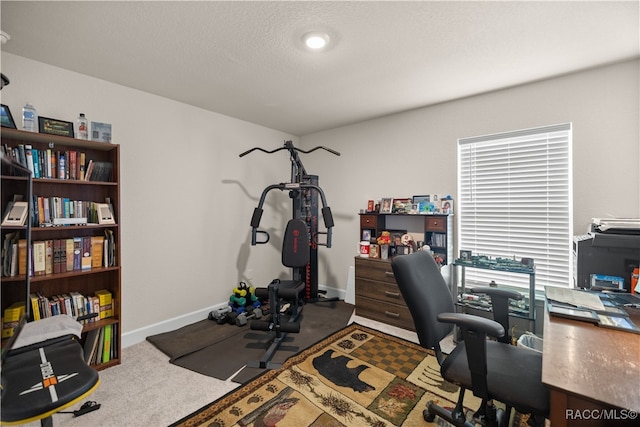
(515, 200)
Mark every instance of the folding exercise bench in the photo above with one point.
(44, 371)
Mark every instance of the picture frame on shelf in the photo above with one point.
(105, 215)
(414, 208)
(101, 132)
(386, 205)
(446, 206)
(420, 199)
(55, 127)
(7, 118)
(366, 235)
(401, 205)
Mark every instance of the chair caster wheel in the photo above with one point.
(428, 416)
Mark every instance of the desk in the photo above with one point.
(590, 369)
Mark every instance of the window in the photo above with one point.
(515, 201)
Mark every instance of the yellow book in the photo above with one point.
(11, 319)
(106, 303)
(97, 244)
(35, 307)
(106, 348)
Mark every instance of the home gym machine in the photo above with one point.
(299, 251)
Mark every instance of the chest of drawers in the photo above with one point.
(377, 294)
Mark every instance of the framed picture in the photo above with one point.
(386, 205)
(366, 235)
(465, 255)
(418, 199)
(401, 205)
(100, 132)
(7, 118)
(55, 127)
(105, 216)
(446, 206)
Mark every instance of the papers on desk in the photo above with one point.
(574, 298)
(587, 307)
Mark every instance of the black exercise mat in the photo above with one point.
(221, 350)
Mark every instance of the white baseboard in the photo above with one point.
(139, 335)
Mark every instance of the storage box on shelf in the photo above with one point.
(376, 293)
(57, 181)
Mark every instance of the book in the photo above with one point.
(39, 258)
(106, 350)
(86, 253)
(12, 315)
(77, 253)
(91, 344)
(100, 171)
(48, 264)
(97, 249)
(69, 253)
(106, 300)
(35, 306)
(22, 256)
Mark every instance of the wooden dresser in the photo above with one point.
(377, 294)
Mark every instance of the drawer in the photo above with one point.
(381, 291)
(391, 314)
(436, 224)
(374, 269)
(369, 221)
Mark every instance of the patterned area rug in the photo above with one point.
(355, 377)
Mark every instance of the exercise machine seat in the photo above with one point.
(41, 379)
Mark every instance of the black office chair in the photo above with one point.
(490, 369)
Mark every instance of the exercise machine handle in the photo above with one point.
(257, 212)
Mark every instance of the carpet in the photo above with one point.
(356, 377)
(220, 351)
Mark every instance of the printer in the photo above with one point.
(610, 247)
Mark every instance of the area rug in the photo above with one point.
(356, 377)
(220, 351)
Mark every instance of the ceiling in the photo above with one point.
(246, 59)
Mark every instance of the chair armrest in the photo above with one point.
(496, 291)
(477, 323)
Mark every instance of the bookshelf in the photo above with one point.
(68, 195)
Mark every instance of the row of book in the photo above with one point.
(55, 256)
(101, 345)
(87, 309)
(48, 209)
(59, 164)
(438, 240)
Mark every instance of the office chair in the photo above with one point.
(490, 369)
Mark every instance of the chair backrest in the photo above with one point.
(426, 295)
(295, 245)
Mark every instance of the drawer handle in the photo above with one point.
(392, 294)
(389, 273)
(392, 314)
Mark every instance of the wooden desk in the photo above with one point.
(591, 370)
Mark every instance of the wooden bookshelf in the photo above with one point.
(87, 281)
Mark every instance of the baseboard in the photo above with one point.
(139, 335)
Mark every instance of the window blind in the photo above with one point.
(515, 200)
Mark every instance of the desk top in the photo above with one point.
(599, 364)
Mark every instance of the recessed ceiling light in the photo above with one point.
(316, 40)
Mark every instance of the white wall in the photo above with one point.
(187, 198)
(415, 152)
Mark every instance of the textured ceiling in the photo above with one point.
(246, 60)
